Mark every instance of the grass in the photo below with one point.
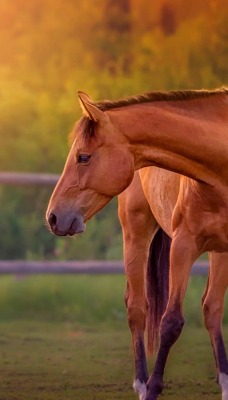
(80, 299)
(64, 337)
(52, 361)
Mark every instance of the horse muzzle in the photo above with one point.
(63, 226)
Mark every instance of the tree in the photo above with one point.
(168, 20)
(114, 41)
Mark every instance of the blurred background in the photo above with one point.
(50, 49)
(63, 335)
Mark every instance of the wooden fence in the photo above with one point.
(24, 267)
(17, 178)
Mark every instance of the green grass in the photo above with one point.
(80, 299)
(64, 337)
(52, 361)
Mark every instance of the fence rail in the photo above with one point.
(21, 267)
(28, 178)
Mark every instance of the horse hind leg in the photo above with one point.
(213, 307)
(182, 255)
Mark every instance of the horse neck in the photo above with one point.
(187, 137)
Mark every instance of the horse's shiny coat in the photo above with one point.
(187, 134)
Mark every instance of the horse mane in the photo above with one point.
(86, 126)
(174, 95)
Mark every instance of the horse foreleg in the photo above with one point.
(138, 227)
(135, 259)
(182, 255)
(213, 306)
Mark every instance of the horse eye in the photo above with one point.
(83, 158)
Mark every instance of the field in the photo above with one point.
(66, 337)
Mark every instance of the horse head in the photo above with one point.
(98, 167)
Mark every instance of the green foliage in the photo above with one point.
(109, 49)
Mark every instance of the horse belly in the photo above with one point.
(161, 189)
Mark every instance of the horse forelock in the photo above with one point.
(85, 127)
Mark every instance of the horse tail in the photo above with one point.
(157, 285)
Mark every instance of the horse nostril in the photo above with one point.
(52, 220)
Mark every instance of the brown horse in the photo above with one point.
(184, 132)
(145, 206)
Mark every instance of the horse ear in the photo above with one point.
(89, 108)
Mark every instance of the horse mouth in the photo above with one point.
(77, 227)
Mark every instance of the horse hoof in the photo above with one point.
(140, 388)
(223, 382)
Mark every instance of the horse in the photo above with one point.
(181, 131)
(145, 212)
